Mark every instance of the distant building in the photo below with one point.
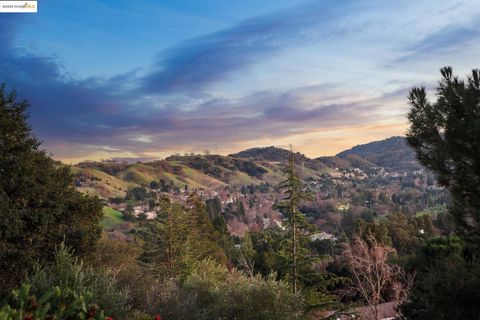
(343, 206)
(322, 236)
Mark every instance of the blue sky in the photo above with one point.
(144, 79)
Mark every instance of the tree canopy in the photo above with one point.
(445, 135)
(39, 205)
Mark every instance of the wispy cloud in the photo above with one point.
(196, 63)
(447, 39)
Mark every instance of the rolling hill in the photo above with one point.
(253, 166)
(391, 153)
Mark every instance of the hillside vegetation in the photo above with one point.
(389, 153)
(253, 166)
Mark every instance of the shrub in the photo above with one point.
(53, 304)
(71, 275)
(120, 258)
(213, 292)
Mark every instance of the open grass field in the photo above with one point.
(111, 218)
(432, 211)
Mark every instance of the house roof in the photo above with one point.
(386, 312)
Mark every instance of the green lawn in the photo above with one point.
(111, 217)
(432, 211)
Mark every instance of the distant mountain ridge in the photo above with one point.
(252, 166)
(392, 153)
(389, 153)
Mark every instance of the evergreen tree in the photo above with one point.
(294, 192)
(202, 238)
(445, 136)
(179, 238)
(39, 205)
(446, 284)
(214, 209)
(164, 239)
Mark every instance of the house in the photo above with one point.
(322, 236)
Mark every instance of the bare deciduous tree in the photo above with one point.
(374, 278)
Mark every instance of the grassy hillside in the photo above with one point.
(253, 166)
(390, 153)
(433, 211)
(358, 162)
(111, 218)
(93, 181)
(335, 162)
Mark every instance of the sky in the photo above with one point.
(145, 79)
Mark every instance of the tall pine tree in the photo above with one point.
(294, 192)
(446, 138)
(202, 238)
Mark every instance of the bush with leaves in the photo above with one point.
(212, 291)
(71, 275)
(54, 304)
(121, 259)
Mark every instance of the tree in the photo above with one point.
(214, 209)
(374, 279)
(445, 136)
(154, 185)
(202, 238)
(151, 204)
(173, 238)
(137, 193)
(446, 284)
(294, 191)
(180, 237)
(39, 205)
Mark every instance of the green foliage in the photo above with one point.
(202, 238)
(221, 167)
(379, 231)
(121, 259)
(293, 252)
(72, 276)
(445, 135)
(39, 205)
(111, 217)
(266, 245)
(180, 237)
(212, 292)
(165, 240)
(214, 209)
(54, 304)
(296, 260)
(409, 234)
(154, 185)
(137, 193)
(447, 283)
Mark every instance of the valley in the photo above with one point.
(370, 181)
